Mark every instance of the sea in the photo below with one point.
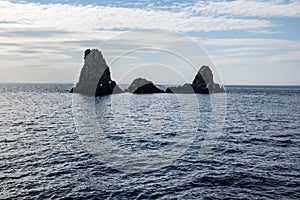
(242, 144)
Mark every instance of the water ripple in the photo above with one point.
(256, 157)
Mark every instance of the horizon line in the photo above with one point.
(167, 84)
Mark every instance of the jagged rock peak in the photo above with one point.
(204, 76)
(203, 83)
(95, 76)
(143, 86)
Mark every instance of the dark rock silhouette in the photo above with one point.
(95, 76)
(143, 86)
(203, 83)
(86, 52)
(185, 89)
(95, 80)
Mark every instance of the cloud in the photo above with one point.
(250, 42)
(244, 8)
(247, 8)
(35, 27)
(50, 36)
(34, 33)
(91, 17)
(292, 56)
(272, 49)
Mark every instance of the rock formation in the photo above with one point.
(203, 83)
(95, 76)
(143, 86)
(95, 80)
(184, 89)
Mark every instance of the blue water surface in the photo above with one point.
(256, 154)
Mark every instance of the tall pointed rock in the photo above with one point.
(95, 76)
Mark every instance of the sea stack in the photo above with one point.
(143, 86)
(95, 77)
(203, 83)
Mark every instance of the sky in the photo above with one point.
(253, 42)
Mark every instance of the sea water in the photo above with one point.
(54, 144)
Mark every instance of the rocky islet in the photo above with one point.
(95, 80)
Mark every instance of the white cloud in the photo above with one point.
(251, 42)
(53, 36)
(90, 18)
(275, 48)
(40, 27)
(293, 56)
(248, 8)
